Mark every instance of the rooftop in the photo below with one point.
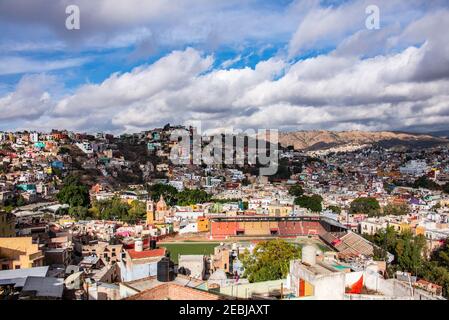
(160, 252)
(172, 291)
(44, 287)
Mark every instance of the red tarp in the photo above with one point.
(357, 287)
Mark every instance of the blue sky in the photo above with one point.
(289, 65)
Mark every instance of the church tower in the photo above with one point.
(150, 212)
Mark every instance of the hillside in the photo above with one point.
(317, 140)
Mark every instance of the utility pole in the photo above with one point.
(282, 290)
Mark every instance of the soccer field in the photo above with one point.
(175, 249)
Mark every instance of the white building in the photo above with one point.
(415, 168)
(194, 265)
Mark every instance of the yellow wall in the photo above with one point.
(203, 225)
(420, 230)
(279, 210)
(308, 289)
(21, 251)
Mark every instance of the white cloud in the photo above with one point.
(397, 77)
(17, 65)
(29, 100)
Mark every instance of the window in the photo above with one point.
(17, 267)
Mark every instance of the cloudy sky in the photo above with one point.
(284, 64)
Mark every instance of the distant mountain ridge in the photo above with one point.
(442, 134)
(323, 139)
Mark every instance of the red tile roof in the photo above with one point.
(146, 253)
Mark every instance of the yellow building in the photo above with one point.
(278, 210)
(19, 253)
(158, 213)
(203, 224)
(7, 225)
(420, 230)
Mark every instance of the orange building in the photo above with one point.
(19, 253)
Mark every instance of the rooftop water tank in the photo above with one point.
(165, 270)
(138, 245)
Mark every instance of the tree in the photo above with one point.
(334, 209)
(396, 209)
(74, 196)
(270, 260)
(63, 150)
(409, 253)
(312, 203)
(20, 201)
(409, 250)
(79, 212)
(296, 190)
(137, 211)
(167, 191)
(189, 197)
(366, 205)
(74, 193)
(446, 188)
(426, 183)
(112, 209)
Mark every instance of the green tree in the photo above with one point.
(426, 183)
(167, 191)
(79, 212)
(137, 211)
(270, 260)
(112, 209)
(334, 209)
(366, 205)
(446, 188)
(20, 201)
(189, 197)
(396, 209)
(74, 193)
(74, 196)
(313, 203)
(296, 190)
(409, 252)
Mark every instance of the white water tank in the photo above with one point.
(309, 255)
(138, 245)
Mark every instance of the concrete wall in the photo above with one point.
(329, 287)
(325, 286)
(131, 272)
(248, 289)
(126, 291)
(197, 267)
(190, 228)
